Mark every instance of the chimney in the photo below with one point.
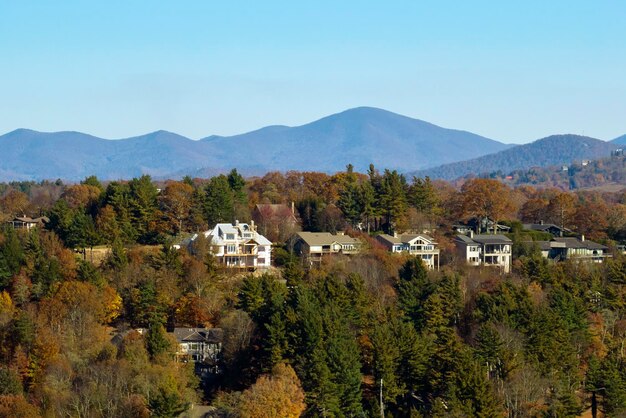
(582, 238)
(252, 225)
(395, 234)
(236, 222)
(541, 222)
(471, 234)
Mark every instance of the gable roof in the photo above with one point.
(576, 243)
(484, 239)
(543, 227)
(208, 335)
(404, 239)
(492, 239)
(326, 238)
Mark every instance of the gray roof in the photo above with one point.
(542, 227)
(465, 239)
(484, 239)
(577, 243)
(208, 335)
(492, 239)
(326, 238)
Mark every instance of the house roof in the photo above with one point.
(209, 335)
(326, 238)
(405, 238)
(465, 239)
(29, 220)
(543, 227)
(220, 230)
(484, 239)
(577, 243)
(492, 239)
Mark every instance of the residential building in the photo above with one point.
(198, 344)
(237, 245)
(572, 248)
(314, 245)
(421, 246)
(28, 223)
(480, 225)
(488, 250)
(201, 346)
(552, 229)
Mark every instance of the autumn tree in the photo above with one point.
(278, 395)
(561, 209)
(485, 198)
(176, 200)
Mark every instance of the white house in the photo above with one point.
(490, 250)
(421, 246)
(238, 245)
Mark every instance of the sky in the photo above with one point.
(510, 71)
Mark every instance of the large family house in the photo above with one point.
(237, 245)
(421, 246)
(572, 248)
(488, 250)
(315, 245)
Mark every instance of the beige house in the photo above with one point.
(314, 245)
(421, 246)
(27, 223)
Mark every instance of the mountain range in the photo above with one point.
(553, 150)
(359, 136)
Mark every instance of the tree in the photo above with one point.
(485, 198)
(14, 203)
(349, 201)
(423, 196)
(561, 208)
(157, 342)
(176, 201)
(392, 200)
(218, 201)
(278, 395)
(413, 289)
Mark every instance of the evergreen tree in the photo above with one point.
(218, 201)
(413, 289)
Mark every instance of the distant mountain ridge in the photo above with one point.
(357, 136)
(549, 151)
(621, 140)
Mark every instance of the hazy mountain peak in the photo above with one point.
(359, 136)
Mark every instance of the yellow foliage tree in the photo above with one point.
(278, 395)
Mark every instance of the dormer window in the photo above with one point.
(230, 236)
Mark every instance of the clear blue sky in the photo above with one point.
(512, 71)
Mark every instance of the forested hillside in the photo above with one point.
(602, 173)
(299, 340)
(553, 150)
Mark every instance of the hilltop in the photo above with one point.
(359, 136)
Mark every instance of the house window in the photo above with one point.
(230, 236)
(247, 235)
(231, 249)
